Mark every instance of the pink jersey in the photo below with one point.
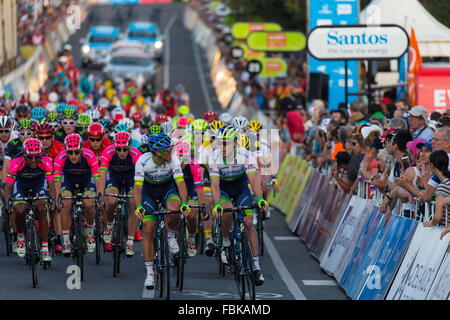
(196, 173)
(18, 169)
(88, 164)
(110, 160)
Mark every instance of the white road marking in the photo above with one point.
(319, 283)
(282, 270)
(201, 75)
(284, 238)
(167, 50)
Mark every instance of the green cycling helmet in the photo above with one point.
(52, 116)
(25, 124)
(84, 120)
(199, 125)
(154, 129)
(70, 112)
(228, 133)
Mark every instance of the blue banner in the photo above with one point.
(335, 12)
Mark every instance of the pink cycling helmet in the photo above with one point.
(122, 139)
(182, 149)
(183, 122)
(32, 147)
(73, 142)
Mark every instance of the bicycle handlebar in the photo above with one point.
(197, 206)
(78, 197)
(29, 199)
(163, 212)
(117, 195)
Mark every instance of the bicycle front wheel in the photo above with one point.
(260, 232)
(165, 254)
(248, 266)
(98, 237)
(32, 249)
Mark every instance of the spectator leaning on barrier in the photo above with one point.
(418, 119)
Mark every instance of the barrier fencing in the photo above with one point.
(370, 258)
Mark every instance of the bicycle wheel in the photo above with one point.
(31, 249)
(247, 259)
(6, 227)
(236, 264)
(260, 232)
(159, 279)
(182, 255)
(116, 245)
(80, 246)
(166, 264)
(98, 237)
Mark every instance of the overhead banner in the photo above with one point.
(441, 286)
(357, 42)
(276, 41)
(420, 265)
(240, 30)
(335, 12)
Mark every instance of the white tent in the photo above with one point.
(433, 36)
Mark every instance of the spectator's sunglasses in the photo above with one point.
(95, 140)
(122, 149)
(45, 138)
(39, 157)
(74, 153)
(68, 123)
(26, 134)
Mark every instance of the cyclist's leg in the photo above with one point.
(19, 209)
(207, 224)
(67, 189)
(110, 202)
(245, 199)
(226, 217)
(149, 223)
(192, 228)
(132, 218)
(89, 206)
(172, 202)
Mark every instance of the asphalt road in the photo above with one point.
(286, 263)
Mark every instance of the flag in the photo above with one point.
(415, 64)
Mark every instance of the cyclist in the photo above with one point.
(22, 112)
(117, 170)
(69, 124)
(50, 147)
(210, 116)
(97, 142)
(193, 179)
(6, 125)
(77, 165)
(229, 168)
(155, 173)
(31, 171)
(138, 133)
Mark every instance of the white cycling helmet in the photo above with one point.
(53, 97)
(94, 114)
(226, 117)
(34, 97)
(103, 103)
(51, 107)
(240, 122)
(5, 122)
(128, 122)
(167, 128)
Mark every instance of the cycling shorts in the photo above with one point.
(21, 188)
(119, 180)
(151, 193)
(85, 182)
(236, 192)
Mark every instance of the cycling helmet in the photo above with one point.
(50, 108)
(140, 100)
(184, 110)
(23, 111)
(70, 112)
(60, 107)
(240, 122)
(146, 122)
(5, 122)
(45, 128)
(25, 124)
(254, 125)
(244, 141)
(73, 142)
(210, 116)
(228, 133)
(167, 128)
(53, 97)
(128, 122)
(121, 127)
(226, 117)
(32, 147)
(216, 125)
(107, 124)
(84, 120)
(137, 116)
(94, 114)
(53, 116)
(154, 129)
(122, 139)
(183, 122)
(103, 103)
(117, 114)
(182, 149)
(159, 142)
(95, 130)
(199, 125)
(161, 118)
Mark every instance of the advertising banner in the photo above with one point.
(342, 239)
(357, 42)
(334, 12)
(241, 30)
(393, 247)
(283, 177)
(276, 41)
(433, 88)
(304, 170)
(420, 265)
(440, 290)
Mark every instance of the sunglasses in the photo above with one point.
(95, 140)
(74, 153)
(5, 131)
(45, 138)
(68, 123)
(39, 157)
(121, 149)
(26, 134)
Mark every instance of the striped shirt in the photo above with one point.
(443, 189)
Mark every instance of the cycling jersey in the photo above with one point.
(98, 153)
(243, 163)
(82, 173)
(2, 151)
(13, 149)
(120, 173)
(147, 170)
(193, 178)
(60, 134)
(56, 148)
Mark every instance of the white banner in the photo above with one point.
(441, 285)
(344, 236)
(420, 265)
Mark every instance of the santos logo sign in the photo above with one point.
(357, 42)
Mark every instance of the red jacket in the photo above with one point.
(98, 153)
(295, 125)
(56, 148)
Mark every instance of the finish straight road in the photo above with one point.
(288, 269)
